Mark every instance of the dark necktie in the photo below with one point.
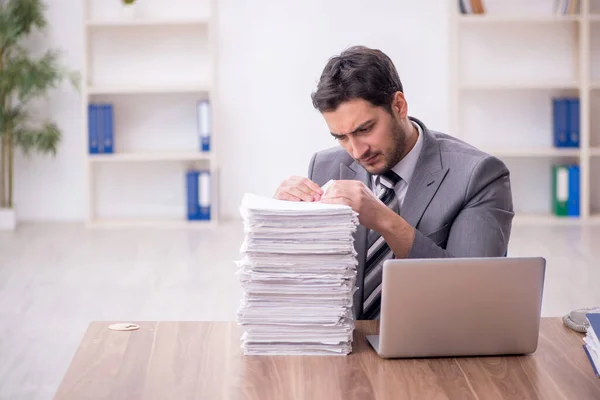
(378, 250)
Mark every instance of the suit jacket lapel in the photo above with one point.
(356, 172)
(429, 174)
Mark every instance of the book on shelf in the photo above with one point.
(591, 344)
(566, 123)
(471, 6)
(560, 7)
(203, 114)
(566, 190)
(198, 187)
(566, 7)
(101, 128)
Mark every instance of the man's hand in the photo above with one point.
(372, 212)
(297, 188)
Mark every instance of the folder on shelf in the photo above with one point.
(574, 191)
(560, 114)
(560, 189)
(198, 195)
(107, 128)
(573, 122)
(193, 207)
(565, 114)
(93, 129)
(205, 194)
(204, 124)
(101, 128)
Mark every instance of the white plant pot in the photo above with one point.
(129, 10)
(8, 219)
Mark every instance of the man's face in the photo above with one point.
(372, 136)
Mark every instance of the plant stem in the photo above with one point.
(10, 169)
(2, 172)
(3, 141)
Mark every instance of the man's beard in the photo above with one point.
(399, 138)
(395, 155)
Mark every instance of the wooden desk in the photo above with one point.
(203, 360)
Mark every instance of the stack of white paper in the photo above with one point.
(592, 343)
(298, 277)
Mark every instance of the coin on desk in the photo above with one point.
(123, 327)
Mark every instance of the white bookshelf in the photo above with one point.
(162, 223)
(529, 85)
(155, 22)
(153, 67)
(505, 67)
(514, 19)
(141, 89)
(149, 157)
(540, 152)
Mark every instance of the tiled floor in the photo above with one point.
(56, 278)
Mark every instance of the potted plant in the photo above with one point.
(129, 8)
(23, 79)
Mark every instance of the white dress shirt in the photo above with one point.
(405, 169)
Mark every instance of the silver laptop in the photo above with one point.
(460, 307)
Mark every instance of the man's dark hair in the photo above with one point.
(357, 73)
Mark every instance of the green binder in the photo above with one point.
(560, 189)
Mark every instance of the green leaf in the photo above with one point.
(34, 78)
(44, 140)
(18, 18)
(12, 118)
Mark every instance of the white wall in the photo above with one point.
(271, 54)
(47, 187)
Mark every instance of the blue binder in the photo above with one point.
(101, 122)
(193, 207)
(573, 122)
(574, 191)
(560, 113)
(198, 185)
(108, 133)
(93, 129)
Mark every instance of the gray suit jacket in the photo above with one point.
(459, 200)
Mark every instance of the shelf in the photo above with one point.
(595, 151)
(149, 156)
(536, 152)
(550, 85)
(121, 23)
(595, 85)
(95, 90)
(160, 223)
(534, 19)
(594, 17)
(553, 220)
(544, 219)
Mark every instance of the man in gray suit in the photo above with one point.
(419, 193)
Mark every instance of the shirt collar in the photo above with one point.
(406, 167)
